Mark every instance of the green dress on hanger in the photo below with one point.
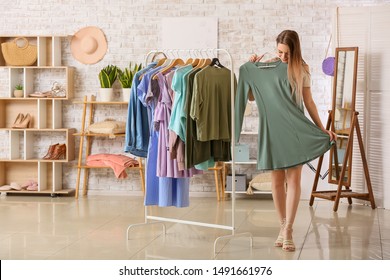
(286, 136)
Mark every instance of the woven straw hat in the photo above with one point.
(88, 45)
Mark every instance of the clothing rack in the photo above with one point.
(210, 225)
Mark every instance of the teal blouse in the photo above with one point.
(286, 136)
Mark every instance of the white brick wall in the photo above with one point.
(132, 29)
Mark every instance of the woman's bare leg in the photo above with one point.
(279, 198)
(293, 176)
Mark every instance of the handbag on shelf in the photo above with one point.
(19, 55)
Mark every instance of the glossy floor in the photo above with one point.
(95, 228)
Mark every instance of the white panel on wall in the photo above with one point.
(378, 127)
(371, 34)
(353, 33)
(189, 33)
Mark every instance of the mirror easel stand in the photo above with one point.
(336, 195)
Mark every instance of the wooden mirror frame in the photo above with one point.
(347, 112)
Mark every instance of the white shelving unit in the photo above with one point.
(25, 148)
(251, 162)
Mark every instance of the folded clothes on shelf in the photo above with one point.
(117, 162)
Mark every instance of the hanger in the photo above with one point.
(156, 54)
(272, 59)
(160, 62)
(189, 61)
(203, 62)
(215, 62)
(174, 62)
(195, 62)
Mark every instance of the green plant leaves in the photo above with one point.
(108, 75)
(127, 75)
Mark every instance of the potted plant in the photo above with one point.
(107, 77)
(18, 91)
(126, 79)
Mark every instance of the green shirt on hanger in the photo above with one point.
(286, 136)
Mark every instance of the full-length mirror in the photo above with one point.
(343, 108)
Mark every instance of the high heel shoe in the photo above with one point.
(18, 120)
(24, 123)
(59, 152)
(288, 244)
(50, 151)
(279, 241)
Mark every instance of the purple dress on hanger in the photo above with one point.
(167, 167)
(161, 191)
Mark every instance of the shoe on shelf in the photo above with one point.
(24, 123)
(40, 94)
(15, 186)
(59, 152)
(5, 188)
(50, 151)
(33, 187)
(18, 120)
(28, 183)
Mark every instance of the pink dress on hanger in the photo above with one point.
(166, 166)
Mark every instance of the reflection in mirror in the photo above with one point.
(344, 94)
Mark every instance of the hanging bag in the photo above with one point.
(328, 62)
(16, 55)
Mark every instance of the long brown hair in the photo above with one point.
(296, 65)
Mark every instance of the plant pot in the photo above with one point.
(18, 93)
(126, 94)
(106, 94)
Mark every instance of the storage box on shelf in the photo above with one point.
(245, 162)
(85, 123)
(23, 160)
(240, 182)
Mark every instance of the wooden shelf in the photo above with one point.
(89, 136)
(23, 160)
(100, 135)
(100, 102)
(46, 192)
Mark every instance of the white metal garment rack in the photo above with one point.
(220, 226)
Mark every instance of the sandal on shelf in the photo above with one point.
(15, 186)
(33, 187)
(28, 183)
(5, 188)
(41, 94)
(279, 241)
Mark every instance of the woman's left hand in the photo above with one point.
(332, 135)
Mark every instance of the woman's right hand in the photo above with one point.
(255, 58)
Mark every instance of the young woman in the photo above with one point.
(283, 111)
